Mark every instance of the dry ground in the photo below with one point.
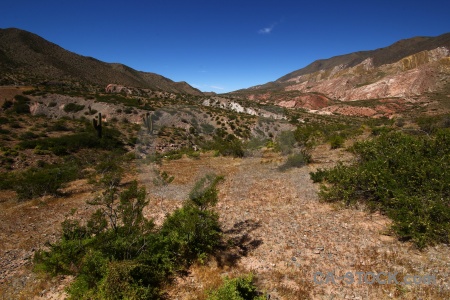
(275, 223)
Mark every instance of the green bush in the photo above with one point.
(37, 182)
(226, 145)
(207, 128)
(407, 177)
(7, 104)
(240, 288)
(66, 144)
(336, 141)
(21, 105)
(285, 142)
(73, 107)
(119, 254)
(296, 160)
(28, 135)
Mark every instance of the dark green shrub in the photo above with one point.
(7, 104)
(207, 128)
(336, 141)
(37, 182)
(380, 130)
(404, 176)
(4, 131)
(255, 143)
(296, 160)
(285, 142)
(226, 145)
(64, 145)
(240, 288)
(318, 176)
(127, 280)
(162, 178)
(73, 107)
(193, 230)
(21, 105)
(28, 135)
(58, 126)
(119, 254)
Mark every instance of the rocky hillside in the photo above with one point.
(406, 71)
(26, 58)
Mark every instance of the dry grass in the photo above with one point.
(274, 226)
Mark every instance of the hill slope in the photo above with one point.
(28, 58)
(411, 70)
(381, 56)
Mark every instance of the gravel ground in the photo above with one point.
(277, 227)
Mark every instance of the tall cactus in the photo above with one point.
(98, 125)
(148, 122)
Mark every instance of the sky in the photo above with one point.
(222, 46)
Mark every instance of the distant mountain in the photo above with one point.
(406, 70)
(379, 57)
(26, 58)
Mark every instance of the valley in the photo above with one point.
(145, 188)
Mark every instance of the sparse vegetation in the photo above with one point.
(404, 176)
(296, 160)
(116, 252)
(73, 107)
(119, 254)
(240, 288)
(41, 181)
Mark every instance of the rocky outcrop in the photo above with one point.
(115, 88)
(309, 101)
(414, 75)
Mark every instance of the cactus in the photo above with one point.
(148, 122)
(98, 125)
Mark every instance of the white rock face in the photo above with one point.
(228, 104)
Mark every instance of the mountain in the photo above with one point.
(382, 56)
(406, 71)
(26, 58)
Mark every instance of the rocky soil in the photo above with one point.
(278, 228)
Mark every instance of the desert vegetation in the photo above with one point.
(404, 175)
(126, 239)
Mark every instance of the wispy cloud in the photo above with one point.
(215, 87)
(267, 30)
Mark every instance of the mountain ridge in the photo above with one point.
(381, 56)
(28, 59)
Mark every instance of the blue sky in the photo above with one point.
(223, 46)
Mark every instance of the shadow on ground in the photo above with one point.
(238, 243)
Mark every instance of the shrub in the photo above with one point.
(285, 142)
(119, 254)
(21, 105)
(162, 178)
(66, 144)
(296, 160)
(207, 128)
(228, 145)
(240, 288)
(73, 107)
(7, 104)
(37, 182)
(336, 141)
(406, 177)
(28, 135)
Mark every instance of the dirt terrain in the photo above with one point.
(277, 227)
